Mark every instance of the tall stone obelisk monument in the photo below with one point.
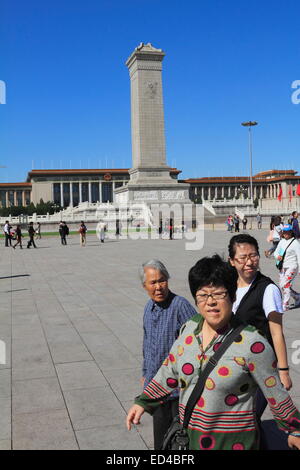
(150, 178)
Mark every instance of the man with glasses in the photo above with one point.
(259, 303)
(164, 315)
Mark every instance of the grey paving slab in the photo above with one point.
(5, 383)
(110, 438)
(29, 396)
(125, 383)
(72, 323)
(92, 407)
(31, 358)
(65, 344)
(5, 444)
(79, 375)
(43, 431)
(5, 418)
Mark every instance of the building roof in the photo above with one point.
(16, 185)
(94, 171)
(269, 173)
(291, 176)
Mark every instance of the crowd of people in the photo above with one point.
(179, 342)
(15, 234)
(233, 223)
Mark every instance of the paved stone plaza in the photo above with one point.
(71, 319)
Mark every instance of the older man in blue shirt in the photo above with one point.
(164, 315)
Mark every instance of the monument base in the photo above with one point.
(152, 193)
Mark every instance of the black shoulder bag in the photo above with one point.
(280, 264)
(176, 438)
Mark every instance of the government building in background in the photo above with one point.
(71, 187)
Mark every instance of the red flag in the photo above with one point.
(290, 192)
(279, 197)
(298, 190)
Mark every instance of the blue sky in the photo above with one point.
(68, 94)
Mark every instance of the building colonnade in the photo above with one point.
(14, 197)
(71, 193)
(213, 192)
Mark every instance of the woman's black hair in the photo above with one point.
(242, 238)
(215, 272)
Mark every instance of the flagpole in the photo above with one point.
(249, 124)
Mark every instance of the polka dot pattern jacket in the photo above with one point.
(224, 417)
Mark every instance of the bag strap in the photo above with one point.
(283, 256)
(213, 361)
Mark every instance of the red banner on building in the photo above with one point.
(279, 197)
(298, 190)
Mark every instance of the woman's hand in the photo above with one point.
(294, 442)
(285, 379)
(134, 415)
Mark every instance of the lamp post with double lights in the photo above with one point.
(250, 124)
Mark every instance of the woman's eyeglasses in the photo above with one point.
(215, 296)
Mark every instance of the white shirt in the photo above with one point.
(276, 232)
(272, 301)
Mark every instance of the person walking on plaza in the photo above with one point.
(102, 229)
(295, 224)
(18, 237)
(223, 417)
(63, 231)
(31, 233)
(245, 221)
(259, 221)
(7, 229)
(230, 223)
(274, 235)
(236, 221)
(171, 229)
(38, 231)
(164, 314)
(82, 233)
(288, 254)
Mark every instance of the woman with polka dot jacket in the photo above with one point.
(224, 416)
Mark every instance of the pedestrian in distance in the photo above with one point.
(82, 233)
(223, 417)
(102, 229)
(245, 221)
(259, 221)
(287, 256)
(274, 235)
(236, 221)
(63, 231)
(295, 224)
(7, 234)
(38, 231)
(171, 229)
(18, 237)
(230, 223)
(31, 233)
(164, 314)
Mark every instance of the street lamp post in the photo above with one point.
(250, 124)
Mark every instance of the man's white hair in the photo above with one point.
(154, 264)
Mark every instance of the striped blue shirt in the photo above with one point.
(162, 322)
